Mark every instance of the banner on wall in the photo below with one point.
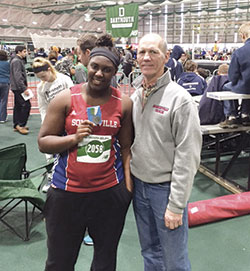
(122, 21)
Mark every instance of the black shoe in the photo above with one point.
(245, 121)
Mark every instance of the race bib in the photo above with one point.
(94, 149)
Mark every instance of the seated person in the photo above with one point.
(191, 80)
(210, 110)
(239, 78)
(203, 73)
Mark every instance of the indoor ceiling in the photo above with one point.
(66, 18)
(71, 18)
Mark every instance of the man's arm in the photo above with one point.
(188, 141)
(18, 77)
(234, 70)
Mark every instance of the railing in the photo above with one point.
(33, 81)
(124, 85)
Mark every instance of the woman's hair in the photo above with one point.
(105, 42)
(40, 62)
(3, 55)
(203, 72)
(52, 55)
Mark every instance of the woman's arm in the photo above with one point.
(125, 137)
(42, 103)
(50, 137)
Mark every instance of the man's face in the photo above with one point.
(183, 57)
(150, 57)
(83, 56)
(23, 53)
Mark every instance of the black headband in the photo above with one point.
(41, 68)
(100, 51)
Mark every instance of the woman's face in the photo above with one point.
(46, 76)
(100, 72)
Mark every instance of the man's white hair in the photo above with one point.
(162, 42)
(245, 29)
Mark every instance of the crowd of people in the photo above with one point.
(110, 148)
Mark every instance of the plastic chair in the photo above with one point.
(16, 186)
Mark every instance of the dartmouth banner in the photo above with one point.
(122, 21)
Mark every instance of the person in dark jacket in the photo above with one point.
(4, 85)
(18, 84)
(176, 68)
(238, 74)
(191, 80)
(210, 110)
(127, 64)
(41, 53)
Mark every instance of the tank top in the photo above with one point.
(95, 163)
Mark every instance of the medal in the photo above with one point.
(97, 120)
(94, 114)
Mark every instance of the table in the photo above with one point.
(227, 95)
(222, 135)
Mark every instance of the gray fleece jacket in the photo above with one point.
(167, 140)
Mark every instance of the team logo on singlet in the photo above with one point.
(94, 149)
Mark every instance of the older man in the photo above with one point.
(165, 158)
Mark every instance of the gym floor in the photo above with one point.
(219, 246)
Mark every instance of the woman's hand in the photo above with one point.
(83, 130)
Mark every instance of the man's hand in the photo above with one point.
(26, 92)
(172, 220)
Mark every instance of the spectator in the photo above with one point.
(52, 82)
(4, 85)
(85, 44)
(238, 74)
(191, 80)
(183, 59)
(215, 50)
(127, 63)
(53, 55)
(66, 65)
(211, 110)
(176, 68)
(41, 53)
(204, 73)
(18, 84)
(165, 158)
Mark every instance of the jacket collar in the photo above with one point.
(165, 79)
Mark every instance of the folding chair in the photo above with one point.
(16, 186)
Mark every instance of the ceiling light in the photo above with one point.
(34, 22)
(87, 17)
(4, 20)
(80, 26)
(59, 25)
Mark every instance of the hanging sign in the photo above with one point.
(122, 21)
